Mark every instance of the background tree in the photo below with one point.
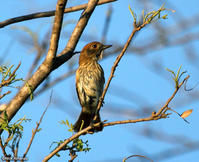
(135, 92)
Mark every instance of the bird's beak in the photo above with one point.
(103, 48)
(106, 46)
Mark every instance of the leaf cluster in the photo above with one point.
(77, 145)
(8, 76)
(150, 16)
(176, 76)
(14, 131)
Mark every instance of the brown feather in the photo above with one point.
(89, 84)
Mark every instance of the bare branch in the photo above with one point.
(124, 160)
(56, 30)
(3, 148)
(37, 127)
(47, 14)
(3, 95)
(72, 157)
(171, 98)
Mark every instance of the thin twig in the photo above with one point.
(17, 148)
(124, 160)
(3, 95)
(9, 80)
(13, 73)
(47, 14)
(7, 140)
(73, 156)
(3, 148)
(37, 127)
(173, 95)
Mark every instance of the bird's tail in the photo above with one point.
(84, 120)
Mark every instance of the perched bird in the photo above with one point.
(89, 84)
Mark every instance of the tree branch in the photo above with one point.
(3, 95)
(37, 127)
(3, 148)
(43, 71)
(47, 14)
(56, 30)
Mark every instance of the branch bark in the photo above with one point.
(47, 14)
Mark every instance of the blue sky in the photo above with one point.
(135, 75)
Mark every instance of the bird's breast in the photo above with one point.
(89, 82)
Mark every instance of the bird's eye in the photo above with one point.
(94, 45)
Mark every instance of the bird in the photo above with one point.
(89, 85)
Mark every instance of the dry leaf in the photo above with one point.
(186, 113)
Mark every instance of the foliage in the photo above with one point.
(176, 76)
(8, 77)
(150, 16)
(14, 131)
(77, 145)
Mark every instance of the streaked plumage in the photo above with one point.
(89, 83)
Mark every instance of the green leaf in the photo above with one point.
(5, 116)
(133, 14)
(30, 91)
(171, 72)
(57, 154)
(178, 73)
(165, 16)
(67, 123)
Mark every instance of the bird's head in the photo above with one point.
(93, 51)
